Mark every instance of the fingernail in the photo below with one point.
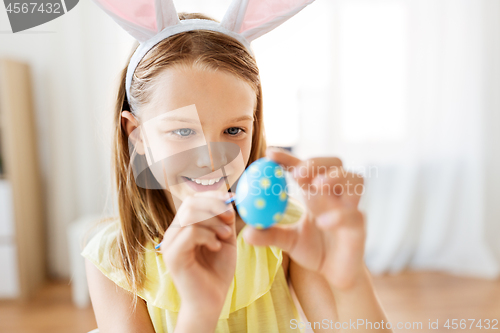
(227, 229)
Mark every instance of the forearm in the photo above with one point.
(191, 320)
(359, 306)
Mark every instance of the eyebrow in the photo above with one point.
(181, 119)
(195, 121)
(242, 118)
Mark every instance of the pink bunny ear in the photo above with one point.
(141, 18)
(254, 18)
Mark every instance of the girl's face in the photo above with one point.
(197, 130)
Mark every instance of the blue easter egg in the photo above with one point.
(261, 197)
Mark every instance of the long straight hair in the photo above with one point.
(145, 214)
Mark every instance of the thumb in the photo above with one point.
(284, 237)
(282, 157)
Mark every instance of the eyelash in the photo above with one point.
(177, 132)
(241, 130)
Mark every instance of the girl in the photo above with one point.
(213, 273)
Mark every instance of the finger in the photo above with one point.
(337, 174)
(199, 208)
(295, 166)
(191, 237)
(304, 172)
(282, 157)
(319, 166)
(347, 185)
(330, 184)
(336, 218)
(190, 213)
(327, 162)
(284, 237)
(169, 235)
(228, 217)
(222, 229)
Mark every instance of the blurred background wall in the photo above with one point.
(406, 92)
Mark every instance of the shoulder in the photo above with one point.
(101, 236)
(101, 249)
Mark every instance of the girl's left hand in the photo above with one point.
(330, 239)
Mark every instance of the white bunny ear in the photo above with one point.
(254, 18)
(166, 15)
(141, 18)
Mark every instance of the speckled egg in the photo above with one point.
(261, 194)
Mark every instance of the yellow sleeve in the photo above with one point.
(98, 251)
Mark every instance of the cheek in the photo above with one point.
(246, 147)
(162, 148)
(245, 151)
(174, 166)
(171, 158)
(238, 165)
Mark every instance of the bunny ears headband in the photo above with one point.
(151, 21)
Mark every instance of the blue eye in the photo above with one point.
(233, 131)
(183, 132)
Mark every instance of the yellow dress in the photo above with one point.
(258, 299)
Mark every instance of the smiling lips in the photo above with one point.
(205, 181)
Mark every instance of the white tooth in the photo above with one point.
(211, 182)
(197, 181)
(218, 179)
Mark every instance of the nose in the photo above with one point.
(203, 158)
(218, 154)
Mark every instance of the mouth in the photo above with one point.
(204, 184)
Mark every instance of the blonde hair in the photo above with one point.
(145, 214)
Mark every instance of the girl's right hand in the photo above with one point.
(199, 250)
